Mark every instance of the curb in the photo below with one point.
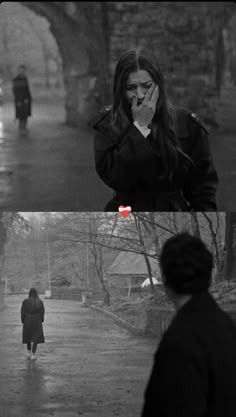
(122, 322)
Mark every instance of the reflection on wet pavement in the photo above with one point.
(33, 386)
(51, 168)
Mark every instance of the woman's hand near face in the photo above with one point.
(144, 113)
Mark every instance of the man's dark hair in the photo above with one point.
(186, 264)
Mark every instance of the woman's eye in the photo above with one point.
(132, 87)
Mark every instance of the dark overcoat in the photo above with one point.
(131, 166)
(194, 371)
(32, 318)
(22, 97)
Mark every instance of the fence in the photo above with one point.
(76, 294)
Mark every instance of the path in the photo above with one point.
(88, 366)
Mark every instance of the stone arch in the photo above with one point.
(79, 30)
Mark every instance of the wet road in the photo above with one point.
(52, 168)
(88, 366)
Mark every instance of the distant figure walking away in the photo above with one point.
(22, 97)
(32, 317)
(194, 370)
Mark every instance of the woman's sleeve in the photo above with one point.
(201, 186)
(22, 313)
(120, 163)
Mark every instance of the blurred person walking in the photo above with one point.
(194, 370)
(32, 317)
(22, 98)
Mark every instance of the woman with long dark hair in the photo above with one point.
(156, 157)
(32, 317)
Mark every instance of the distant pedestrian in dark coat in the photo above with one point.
(32, 317)
(194, 371)
(22, 97)
(156, 157)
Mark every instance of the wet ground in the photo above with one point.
(88, 366)
(53, 168)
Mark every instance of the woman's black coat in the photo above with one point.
(32, 319)
(131, 167)
(22, 97)
(194, 371)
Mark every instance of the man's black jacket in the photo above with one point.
(194, 371)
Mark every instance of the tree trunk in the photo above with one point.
(142, 244)
(220, 62)
(215, 245)
(3, 240)
(106, 296)
(195, 225)
(230, 247)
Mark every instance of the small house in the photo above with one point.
(128, 271)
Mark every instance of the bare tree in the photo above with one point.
(230, 247)
(144, 249)
(195, 224)
(141, 233)
(215, 243)
(97, 253)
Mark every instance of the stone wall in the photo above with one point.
(184, 36)
(158, 319)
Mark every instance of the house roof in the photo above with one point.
(131, 263)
